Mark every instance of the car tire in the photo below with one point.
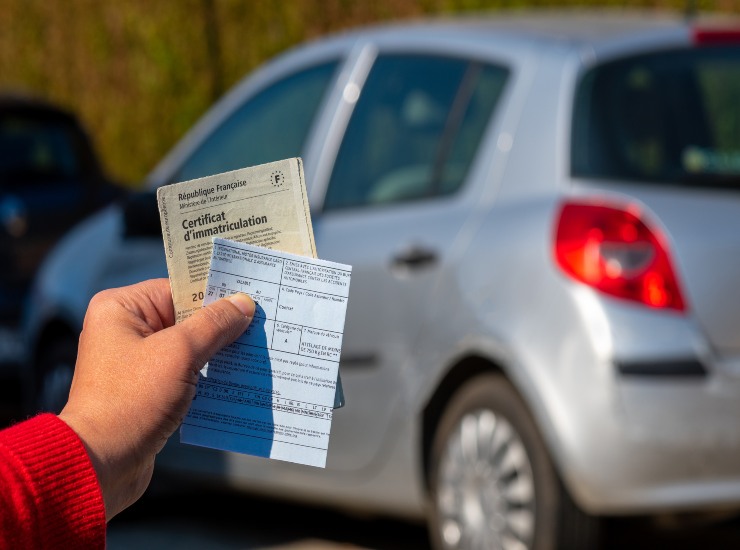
(492, 482)
(55, 368)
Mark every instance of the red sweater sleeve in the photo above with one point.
(49, 494)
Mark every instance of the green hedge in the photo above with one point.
(140, 72)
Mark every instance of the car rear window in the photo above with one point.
(670, 117)
(33, 149)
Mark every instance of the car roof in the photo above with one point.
(578, 34)
(27, 104)
(595, 30)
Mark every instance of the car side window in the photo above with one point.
(271, 125)
(414, 131)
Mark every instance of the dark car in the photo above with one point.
(50, 178)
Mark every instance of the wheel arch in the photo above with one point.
(458, 374)
(56, 328)
(478, 361)
(482, 358)
(563, 522)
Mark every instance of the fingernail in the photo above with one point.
(243, 303)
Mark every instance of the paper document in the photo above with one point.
(271, 392)
(264, 205)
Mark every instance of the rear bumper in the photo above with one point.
(665, 443)
(640, 413)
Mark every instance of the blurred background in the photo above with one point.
(117, 84)
(140, 73)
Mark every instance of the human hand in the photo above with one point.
(136, 375)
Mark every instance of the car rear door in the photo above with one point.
(396, 200)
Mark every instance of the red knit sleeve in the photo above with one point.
(49, 494)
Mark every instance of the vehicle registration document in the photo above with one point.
(263, 205)
(271, 393)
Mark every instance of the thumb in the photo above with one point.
(217, 325)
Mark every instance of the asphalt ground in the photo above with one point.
(225, 520)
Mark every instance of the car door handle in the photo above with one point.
(415, 257)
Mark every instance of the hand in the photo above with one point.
(135, 377)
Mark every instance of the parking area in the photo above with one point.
(226, 520)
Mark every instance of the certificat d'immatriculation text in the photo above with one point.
(265, 205)
(271, 393)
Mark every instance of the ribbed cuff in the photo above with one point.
(70, 512)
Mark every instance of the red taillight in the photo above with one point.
(613, 250)
(715, 36)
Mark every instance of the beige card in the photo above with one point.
(264, 205)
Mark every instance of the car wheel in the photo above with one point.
(55, 369)
(493, 485)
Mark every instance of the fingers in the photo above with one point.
(152, 302)
(159, 293)
(148, 301)
(217, 325)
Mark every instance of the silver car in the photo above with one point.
(543, 219)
